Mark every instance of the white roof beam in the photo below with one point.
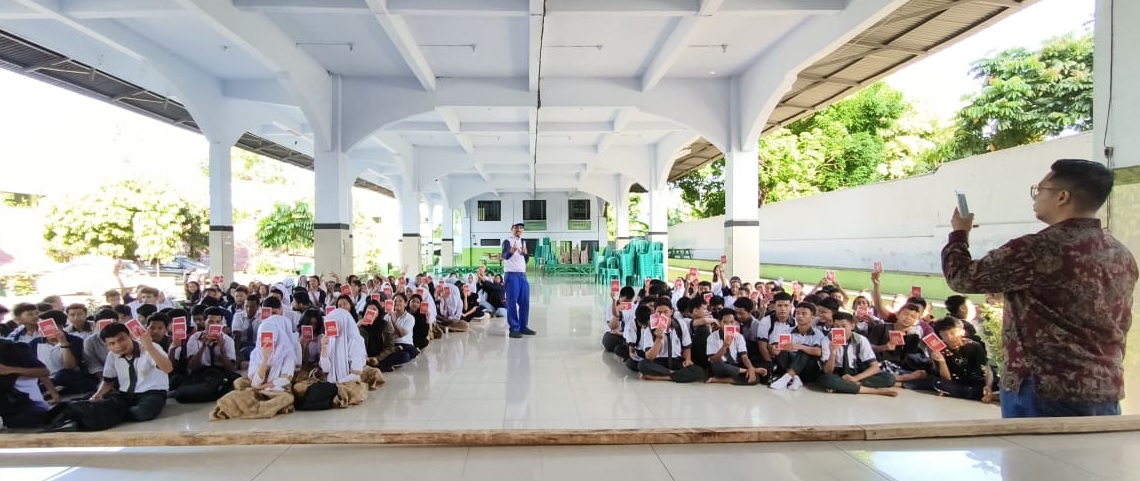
(675, 44)
(452, 122)
(532, 130)
(511, 8)
(397, 30)
(537, 13)
(684, 8)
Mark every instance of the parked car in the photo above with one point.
(92, 275)
(180, 268)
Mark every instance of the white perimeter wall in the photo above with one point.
(557, 216)
(905, 222)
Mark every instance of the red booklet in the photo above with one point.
(933, 342)
(265, 313)
(627, 306)
(831, 276)
(267, 340)
(329, 309)
(390, 305)
(660, 322)
(136, 328)
(387, 290)
(615, 286)
(331, 329)
(306, 333)
(48, 328)
(839, 336)
(424, 308)
(730, 333)
(915, 291)
(214, 331)
(345, 290)
(785, 340)
(708, 297)
(218, 280)
(898, 338)
(369, 316)
(179, 331)
(376, 296)
(100, 325)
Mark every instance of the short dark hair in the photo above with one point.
(954, 303)
(198, 310)
(19, 309)
(917, 300)
(911, 306)
(830, 304)
(302, 298)
(743, 303)
(945, 324)
(692, 302)
(726, 312)
(216, 311)
(626, 292)
(159, 317)
(43, 307)
(684, 304)
(146, 310)
(113, 330)
(271, 302)
(123, 310)
(807, 305)
(842, 316)
(106, 314)
(782, 296)
(1090, 183)
(58, 316)
(642, 313)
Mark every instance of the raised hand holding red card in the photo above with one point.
(306, 333)
(839, 336)
(48, 328)
(615, 286)
(897, 338)
(660, 322)
(214, 331)
(267, 341)
(179, 331)
(331, 329)
(933, 342)
(627, 306)
(730, 333)
(369, 316)
(136, 328)
(785, 341)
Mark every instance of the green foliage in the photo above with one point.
(287, 228)
(127, 219)
(1028, 96)
(366, 238)
(22, 284)
(703, 190)
(991, 315)
(251, 167)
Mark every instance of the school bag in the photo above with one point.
(90, 415)
(205, 385)
(318, 397)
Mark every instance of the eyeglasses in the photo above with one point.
(1034, 190)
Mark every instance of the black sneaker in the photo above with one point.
(515, 335)
(528, 332)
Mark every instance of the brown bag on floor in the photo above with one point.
(350, 394)
(252, 404)
(371, 377)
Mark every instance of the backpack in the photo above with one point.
(319, 397)
(205, 385)
(91, 415)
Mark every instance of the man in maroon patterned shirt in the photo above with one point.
(1068, 297)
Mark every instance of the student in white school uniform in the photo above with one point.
(799, 359)
(94, 349)
(344, 361)
(613, 340)
(782, 315)
(266, 390)
(77, 322)
(728, 358)
(62, 354)
(138, 370)
(217, 351)
(669, 357)
(852, 368)
(403, 323)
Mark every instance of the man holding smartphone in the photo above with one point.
(1068, 297)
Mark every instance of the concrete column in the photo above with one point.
(332, 234)
(621, 212)
(447, 249)
(659, 221)
(1114, 132)
(741, 222)
(433, 220)
(411, 258)
(221, 212)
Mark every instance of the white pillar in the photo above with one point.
(741, 221)
(332, 233)
(621, 212)
(659, 222)
(1115, 71)
(411, 258)
(221, 212)
(447, 248)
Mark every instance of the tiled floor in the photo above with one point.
(560, 379)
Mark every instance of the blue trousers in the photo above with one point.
(518, 300)
(1025, 403)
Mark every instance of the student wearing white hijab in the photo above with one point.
(273, 369)
(279, 317)
(451, 309)
(343, 357)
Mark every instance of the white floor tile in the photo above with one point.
(1110, 455)
(772, 461)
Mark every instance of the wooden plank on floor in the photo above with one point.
(1003, 427)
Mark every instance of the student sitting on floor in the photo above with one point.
(852, 368)
(766, 328)
(22, 404)
(701, 324)
(266, 390)
(206, 349)
(613, 340)
(638, 336)
(26, 316)
(94, 349)
(421, 330)
(344, 361)
(138, 369)
(728, 355)
(63, 356)
(158, 326)
(309, 336)
(825, 311)
(77, 322)
(961, 370)
(670, 356)
(907, 360)
(380, 338)
(403, 324)
(472, 311)
(798, 357)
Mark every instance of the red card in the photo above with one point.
(178, 331)
(376, 296)
(615, 286)
(878, 266)
(48, 328)
(136, 328)
(307, 333)
(708, 297)
(179, 320)
(331, 329)
(387, 290)
(730, 333)
(328, 310)
(660, 322)
(424, 308)
(218, 280)
(214, 331)
(915, 291)
(839, 336)
(724, 259)
(100, 325)
(692, 272)
(265, 313)
(831, 276)
(898, 338)
(627, 306)
(267, 340)
(369, 316)
(933, 342)
(785, 340)
(390, 305)
(346, 290)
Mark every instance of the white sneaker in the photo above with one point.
(796, 383)
(781, 383)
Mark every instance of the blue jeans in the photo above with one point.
(1026, 404)
(518, 300)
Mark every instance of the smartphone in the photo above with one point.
(963, 208)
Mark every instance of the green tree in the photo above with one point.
(127, 219)
(250, 167)
(1027, 96)
(703, 190)
(288, 228)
